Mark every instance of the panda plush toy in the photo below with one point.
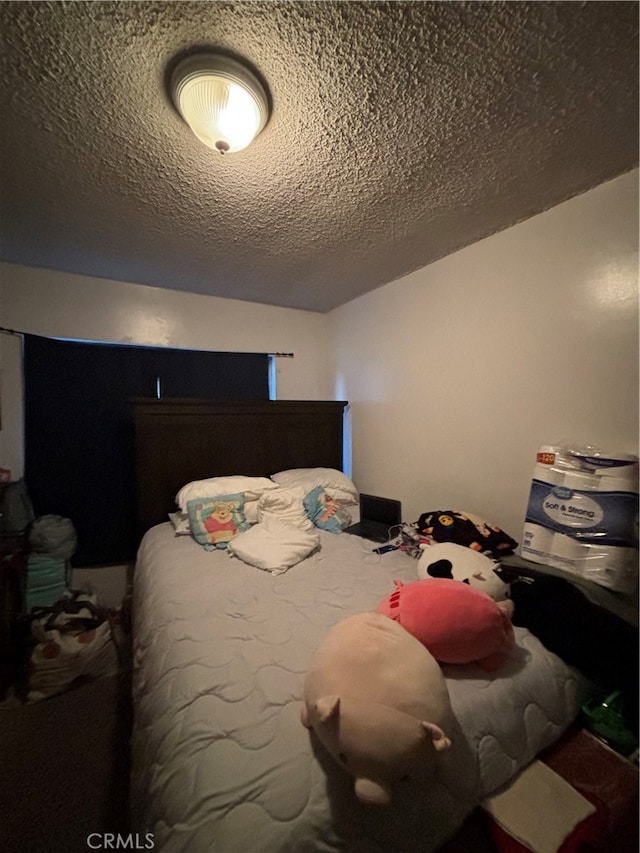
(448, 560)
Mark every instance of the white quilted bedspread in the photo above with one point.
(221, 762)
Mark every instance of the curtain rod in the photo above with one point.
(5, 331)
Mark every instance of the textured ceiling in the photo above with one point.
(400, 132)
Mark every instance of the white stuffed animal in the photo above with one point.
(378, 702)
(457, 562)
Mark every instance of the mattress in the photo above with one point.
(221, 761)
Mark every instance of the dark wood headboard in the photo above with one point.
(178, 441)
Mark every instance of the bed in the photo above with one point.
(221, 761)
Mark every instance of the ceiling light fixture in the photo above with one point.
(221, 100)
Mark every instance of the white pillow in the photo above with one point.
(285, 504)
(250, 487)
(334, 482)
(274, 545)
(251, 511)
(180, 521)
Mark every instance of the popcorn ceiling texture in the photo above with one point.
(400, 132)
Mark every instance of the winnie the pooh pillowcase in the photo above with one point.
(215, 521)
(325, 511)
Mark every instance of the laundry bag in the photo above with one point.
(71, 640)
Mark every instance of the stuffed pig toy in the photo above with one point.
(377, 701)
(455, 621)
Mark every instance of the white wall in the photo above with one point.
(459, 371)
(456, 373)
(62, 305)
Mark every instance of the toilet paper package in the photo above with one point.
(582, 515)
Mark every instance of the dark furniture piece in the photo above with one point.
(13, 560)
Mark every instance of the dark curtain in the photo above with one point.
(79, 442)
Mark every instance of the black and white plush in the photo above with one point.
(465, 528)
(447, 560)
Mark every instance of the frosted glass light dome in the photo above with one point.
(224, 103)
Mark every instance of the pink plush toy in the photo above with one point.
(456, 622)
(378, 702)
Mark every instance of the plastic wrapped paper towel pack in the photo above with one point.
(582, 515)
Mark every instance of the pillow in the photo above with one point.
(274, 545)
(285, 504)
(463, 528)
(326, 512)
(251, 510)
(180, 521)
(215, 521)
(334, 482)
(250, 487)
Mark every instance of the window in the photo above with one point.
(79, 442)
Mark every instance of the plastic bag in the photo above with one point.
(53, 535)
(72, 640)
